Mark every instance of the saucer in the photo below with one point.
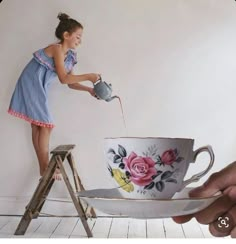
(111, 202)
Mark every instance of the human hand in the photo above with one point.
(92, 92)
(224, 208)
(94, 77)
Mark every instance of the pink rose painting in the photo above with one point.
(141, 169)
(168, 157)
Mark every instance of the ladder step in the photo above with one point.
(63, 149)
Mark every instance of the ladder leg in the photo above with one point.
(76, 201)
(40, 206)
(35, 201)
(78, 184)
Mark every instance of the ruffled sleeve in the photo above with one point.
(74, 57)
(71, 60)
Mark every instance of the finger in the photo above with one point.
(216, 209)
(209, 188)
(224, 224)
(216, 182)
(231, 192)
(182, 219)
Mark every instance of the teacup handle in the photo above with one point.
(196, 177)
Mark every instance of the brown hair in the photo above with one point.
(66, 24)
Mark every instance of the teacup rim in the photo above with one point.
(149, 137)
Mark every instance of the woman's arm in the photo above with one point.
(80, 87)
(65, 78)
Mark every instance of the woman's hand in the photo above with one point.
(221, 213)
(92, 92)
(94, 77)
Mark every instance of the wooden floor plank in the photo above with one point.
(79, 231)
(10, 227)
(172, 229)
(3, 221)
(137, 228)
(102, 227)
(155, 228)
(34, 225)
(192, 229)
(65, 228)
(205, 231)
(58, 236)
(32, 228)
(47, 227)
(5, 236)
(119, 228)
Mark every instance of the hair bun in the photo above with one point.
(63, 16)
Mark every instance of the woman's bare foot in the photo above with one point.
(56, 176)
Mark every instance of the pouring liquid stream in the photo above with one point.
(103, 91)
(121, 107)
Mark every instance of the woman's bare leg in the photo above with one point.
(41, 138)
(35, 138)
(43, 148)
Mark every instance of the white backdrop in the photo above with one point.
(172, 62)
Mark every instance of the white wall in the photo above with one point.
(171, 61)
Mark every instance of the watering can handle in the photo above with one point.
(99, 80)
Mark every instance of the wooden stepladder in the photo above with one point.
(59, 154)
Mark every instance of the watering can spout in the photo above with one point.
(111, 98)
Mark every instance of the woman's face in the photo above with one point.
(74, 39)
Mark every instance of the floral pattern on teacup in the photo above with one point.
(168, 157)
(141, 170)
(121, 179)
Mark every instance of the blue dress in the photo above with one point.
(30, 98)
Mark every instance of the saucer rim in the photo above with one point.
(216, 195)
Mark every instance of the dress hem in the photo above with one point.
(36, 122)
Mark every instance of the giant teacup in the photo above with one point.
(152, 167)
